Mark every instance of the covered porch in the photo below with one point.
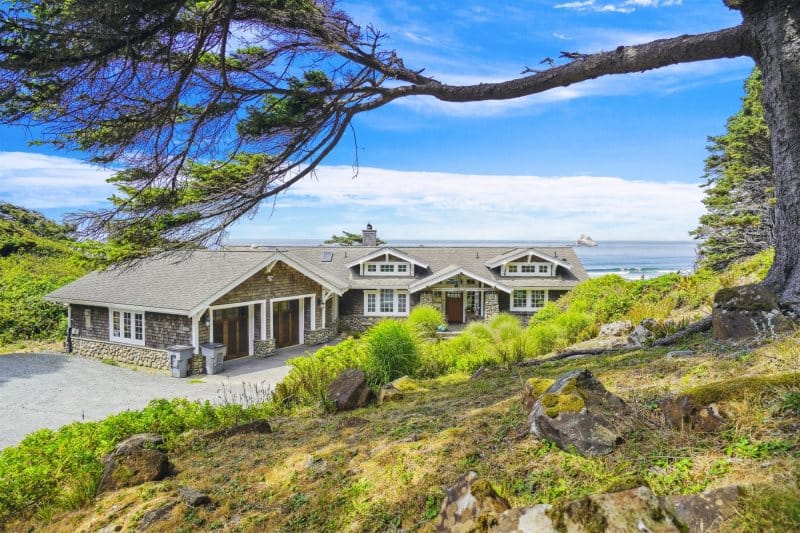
(460, 295)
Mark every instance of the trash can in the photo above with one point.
(179, 356)
(214, 352)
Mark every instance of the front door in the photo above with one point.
(286, 323)
(230, 328)
(454, 308)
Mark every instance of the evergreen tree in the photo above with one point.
(740, 191)
(349, 239)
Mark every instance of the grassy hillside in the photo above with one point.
(386, 467)
(37, 256)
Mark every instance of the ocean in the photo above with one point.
(629, 259)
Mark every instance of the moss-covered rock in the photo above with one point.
(748, 311)
(532, 390)
(471, 504)
(577, 413)
(735, 388)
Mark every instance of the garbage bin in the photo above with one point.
(214, 352)
(179, 356)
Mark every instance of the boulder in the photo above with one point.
(616, 329)
(388, 393)
(256, 426)
(577, 412)
(746, 312)
(680, 353)
(642, 334)
(684, 413)
(630, 510)
(706, 511)
(471, 504)
(532, 390)
(156, 515)
(193, 497)
(134, 461)
(349, 390)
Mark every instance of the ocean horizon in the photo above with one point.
(629, 259)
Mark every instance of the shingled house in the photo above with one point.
(259, 299)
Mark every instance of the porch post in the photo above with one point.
(210, 325)
(251, 328)
(264, 320)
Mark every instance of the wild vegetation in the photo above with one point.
(37, 256)
(401, 455)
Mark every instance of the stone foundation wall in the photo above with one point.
(313, 337)
(123, 353)
(524, 318)
(357, 322)
(426, 298)
(197, 365)
(265, 348)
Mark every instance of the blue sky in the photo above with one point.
(618, 157)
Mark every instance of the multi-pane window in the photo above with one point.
(511, 268)
(386, 302)
(127, 326)
(402, 269)
(528, 268)
(387, 268)
(384, 268)
(402, 303)
(520, 299)
(372, 268)
(527, 299)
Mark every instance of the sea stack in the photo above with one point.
(585, 240)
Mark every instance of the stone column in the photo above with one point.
(426, 298)
(491, 306)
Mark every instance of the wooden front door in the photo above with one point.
(454, 308)
(230, 328)
(286, 323)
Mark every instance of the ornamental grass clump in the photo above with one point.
(392, 351)
(425, 319)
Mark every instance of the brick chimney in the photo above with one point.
(369, 236)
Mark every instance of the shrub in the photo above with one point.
(425, 319)
(392, 352)
(308, 381)
(576, 326)
(542, 338)
(59, 470)
(503, 320)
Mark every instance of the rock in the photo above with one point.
(630, 510)
(349, 390)
(577, 412)
(134, 461)
(680, 353)
(532, 390)
(706, 511)
(683, 412)
(193, 497)
(525, 520)
(316, 465)
(642, 334)
(616, 329)
(256, 426)
(636, 510)
(388, 393)
(746, 312)
(156, 515)
(585, 240)
(477, 374)
(470, 504)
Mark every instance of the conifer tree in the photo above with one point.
(740, 190)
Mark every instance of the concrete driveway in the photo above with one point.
(50, 390)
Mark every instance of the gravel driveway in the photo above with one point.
(50, 390)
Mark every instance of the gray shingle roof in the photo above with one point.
(182, 283)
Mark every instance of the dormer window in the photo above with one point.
(372, 268)
(529, 269)
(386, 268)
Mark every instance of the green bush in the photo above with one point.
(392, 352)
(308, 380)
(59, 470)
(425, 319)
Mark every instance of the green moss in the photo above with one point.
(737, 387)
(539, 386)
(588, 514)
(482, 489)
(568, 400)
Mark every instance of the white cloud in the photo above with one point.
(464, 206)
(41, 181)
(628, 6)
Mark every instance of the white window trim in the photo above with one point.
(528, 307)
(126, 340)
(535, 264)
(395, 293)
(409, 269)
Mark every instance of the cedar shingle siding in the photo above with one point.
(99, 325)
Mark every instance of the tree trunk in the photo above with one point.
(775, 27)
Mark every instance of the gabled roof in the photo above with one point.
(451, 271)
(168, 284)
(383, 251)
(507, 257)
